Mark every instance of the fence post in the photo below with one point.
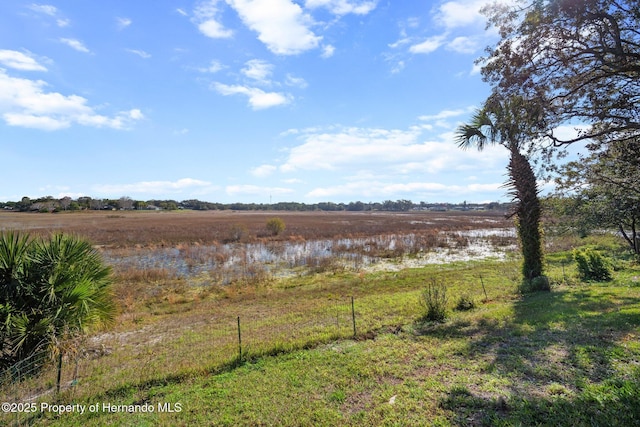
(59, 372)
(353, 317)
(486, 298)
(239, 342)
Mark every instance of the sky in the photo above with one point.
(244, 100)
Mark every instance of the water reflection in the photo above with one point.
(227, 262)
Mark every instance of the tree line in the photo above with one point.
(51, 204)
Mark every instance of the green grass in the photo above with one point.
(567, 357)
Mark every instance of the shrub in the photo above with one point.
(592, 265)
(275, 226)
(540, 283)
(237, 232)
(434, 299)
(50, 289)
(465, 303)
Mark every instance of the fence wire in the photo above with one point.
(105, 363)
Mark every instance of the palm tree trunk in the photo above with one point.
(522, 180)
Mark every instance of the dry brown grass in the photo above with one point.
(141, 228)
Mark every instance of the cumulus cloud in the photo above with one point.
(26, 103)
(258, 70)
(464, 44)
(19, 61)
(154, 187)
(206, 17)
(461, 13)
(281, 25)
(460, 28)
(392, 156)
(330, 150)
(327, 51)
(258, 99)
(429, 45)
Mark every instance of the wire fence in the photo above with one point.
(102, 365)
(181, 347)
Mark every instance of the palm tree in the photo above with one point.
(506, 122)
(50, 290)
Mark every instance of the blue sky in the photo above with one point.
(243, 100)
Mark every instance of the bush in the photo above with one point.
(275, 226)
(465, 303)
(434, 299)
(237, 232)
(50, 289)
(592, 265)
(540, 283)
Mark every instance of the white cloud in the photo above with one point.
(464, 44)
(205, 16)
(401, 42)
(19, 61)
(343, 7)
(263, 170)
(429, 45)
(380, 189)
(293, 181)
(324, 150)
(182, 12)
(49, 10)
(258, 70)
(214, 67)
(153, 187)
(140, 53)
(445, 114)
(123, 23)
(327, 51)
(213, 29)
(258, 99)
(26, 103)
(281, 24)
(75, 44)
(476, 69)
(386, 151)
(463, 13)
(255, 190)
(295, 81)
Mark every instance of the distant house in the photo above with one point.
(153, 208)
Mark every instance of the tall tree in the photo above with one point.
(603, 187)
(508, 123)
(578, 60)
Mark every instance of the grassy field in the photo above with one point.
(567, 357)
